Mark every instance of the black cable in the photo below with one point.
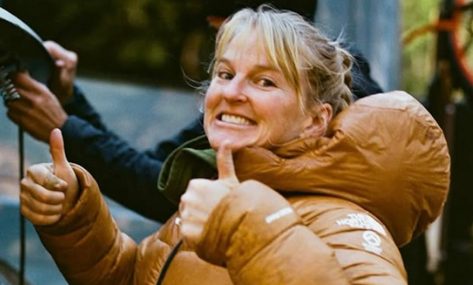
(22, 219)
(9, 93)
(168, 261)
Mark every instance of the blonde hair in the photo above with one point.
(318, 69)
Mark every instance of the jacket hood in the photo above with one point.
(385, 153)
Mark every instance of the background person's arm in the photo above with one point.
(125, 174)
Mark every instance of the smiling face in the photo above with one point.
(250, 102)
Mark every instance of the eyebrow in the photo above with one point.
(257, 67)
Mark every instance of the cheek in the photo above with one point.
(287, 124)
(210, 99)
(281, 114)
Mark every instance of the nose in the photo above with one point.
(235, 90)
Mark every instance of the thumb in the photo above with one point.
(62, 168)
(225, 165)
(58, 155)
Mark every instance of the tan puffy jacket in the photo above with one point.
(384, 162)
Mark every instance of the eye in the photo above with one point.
(265, 82)
(225, 75)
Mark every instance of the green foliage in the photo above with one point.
(418, 55)
(135, 39)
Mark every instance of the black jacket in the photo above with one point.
(124, 174)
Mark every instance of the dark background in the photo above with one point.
(157, 42)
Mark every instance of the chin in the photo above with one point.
(234, 143)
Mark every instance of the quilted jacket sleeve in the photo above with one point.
(86, 244)
(265, 243)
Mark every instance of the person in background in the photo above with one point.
(292, 184)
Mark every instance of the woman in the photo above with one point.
(320, 192)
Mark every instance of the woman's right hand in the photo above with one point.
(203, 195)
(49, 190)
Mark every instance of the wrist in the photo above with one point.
(71, 97)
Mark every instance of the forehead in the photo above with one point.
(246, 48)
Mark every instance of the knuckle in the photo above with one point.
(53, 219)
(198, 185)
(31, 170)
(185, 214)
(44, 220)
(199, 181)
(193, 183)
(37, 101)
(23, 197)
(43, 196)
(25, 212)
(185, 196)
(26, 188)
(24, 184)
(73, 56)
(249, 184)
(42, 208)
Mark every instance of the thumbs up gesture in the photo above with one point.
(203, 195)
(49, 190)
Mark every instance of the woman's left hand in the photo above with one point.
(203, 195)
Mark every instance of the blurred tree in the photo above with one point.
(137, 40)
(140, 40)
(419, 54)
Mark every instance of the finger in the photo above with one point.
(40, 193)
(43, 174)
(225, 165)
(60, 63)
(31, 91)
(191, 233)
(24, 82)
(192, 198)
(23, 104)
(18, 110)
(40, 207)
(194, 215)
(58, 53)
(55, 50)
(38, 219)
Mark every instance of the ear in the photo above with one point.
(318, 122)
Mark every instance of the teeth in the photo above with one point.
(235, 120)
